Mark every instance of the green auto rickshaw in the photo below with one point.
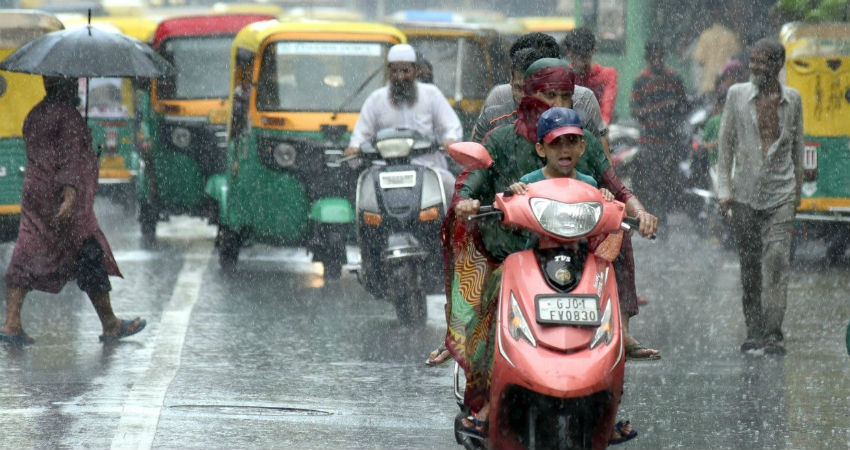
(187, 117)
(296, 92)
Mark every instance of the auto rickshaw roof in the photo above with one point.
(323, 13)
(205, 25)
(445, 28)
(246, 8)
(543, 24)
(19, 26)
(803, 40)
(252, 36)
(141, 28)
(425, 16)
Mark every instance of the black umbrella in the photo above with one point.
(86, 52)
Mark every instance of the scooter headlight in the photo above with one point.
(606, 330)
(284, 155)
(181, 137)
(395, 148)
(517, 325)
(568, 220)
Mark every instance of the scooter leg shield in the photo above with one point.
(543, 369)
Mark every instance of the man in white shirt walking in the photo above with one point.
(761, 136)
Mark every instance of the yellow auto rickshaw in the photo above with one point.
(296, 90)
(19, 93)
(817, 64)
(557, 27)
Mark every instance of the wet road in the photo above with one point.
(273, 357)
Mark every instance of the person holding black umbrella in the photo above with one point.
(59, 238)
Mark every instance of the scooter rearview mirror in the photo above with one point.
(471, 155)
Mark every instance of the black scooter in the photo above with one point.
(400, 207)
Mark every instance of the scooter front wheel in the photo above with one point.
(407, 294)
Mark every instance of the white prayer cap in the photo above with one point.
(401, 53)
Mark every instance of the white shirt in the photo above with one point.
(760, 180)
(432, 116)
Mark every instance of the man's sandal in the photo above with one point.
(637, 352)
(478, 430)
(438, 357)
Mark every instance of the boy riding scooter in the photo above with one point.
(560, 142)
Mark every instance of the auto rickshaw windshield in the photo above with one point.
(202, 68)
(443, 55)
(319, 76)
(105, 97)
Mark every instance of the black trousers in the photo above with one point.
(91, 274)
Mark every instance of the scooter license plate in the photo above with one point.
(395, 180)
(568, 310)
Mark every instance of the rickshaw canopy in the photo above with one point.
(204, 25)
(804, 40)
(253, 36)
(246, 8)
(140, 28)
(19, 26)
(817, 63)
(19, 92)
(323, 13)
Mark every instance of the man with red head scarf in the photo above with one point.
(474, 251)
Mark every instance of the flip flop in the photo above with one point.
(17, 339)
(478, 430)
(443, 356)
(618, 427)
(125, 331)
(632, 353)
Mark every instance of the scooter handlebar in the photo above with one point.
(485, 211)
(633, 223)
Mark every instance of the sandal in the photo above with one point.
(478, 430)
(138, 324)
(618, 427)
(19, 339)
(438, 357)
(637, 352)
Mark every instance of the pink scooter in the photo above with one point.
(558, 367)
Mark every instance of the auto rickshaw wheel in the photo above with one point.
(407, 294)
(229, 242)
(835, 249)
(333, 269)
(128, 199)
(147, 220)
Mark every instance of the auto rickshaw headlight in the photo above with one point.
(181, 137)
(284, 155)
